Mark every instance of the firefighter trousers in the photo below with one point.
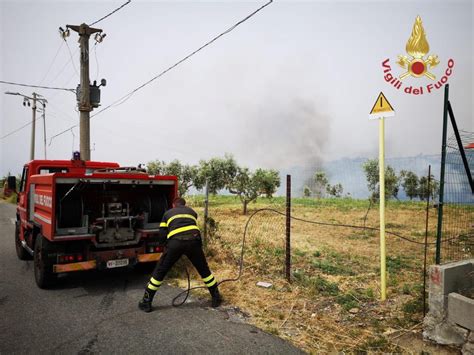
(174, 250)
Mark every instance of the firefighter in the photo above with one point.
(182, 236)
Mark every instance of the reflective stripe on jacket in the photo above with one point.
(179, 221)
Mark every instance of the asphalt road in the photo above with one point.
(96, 312)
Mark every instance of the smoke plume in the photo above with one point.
(284, 133)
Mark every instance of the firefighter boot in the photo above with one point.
(145, 302)
(216, 297)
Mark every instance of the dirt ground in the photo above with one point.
(333, 301)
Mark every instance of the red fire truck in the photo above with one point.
(75, 215)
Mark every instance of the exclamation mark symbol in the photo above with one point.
(381, 103)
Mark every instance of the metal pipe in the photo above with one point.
(426, 239)
(460, 146)
(383, 252)
(442, 175)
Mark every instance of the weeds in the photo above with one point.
(316, 283)
(299, 253)
(397, 263)
(413, 306)
(347, 301)
(331, 262)
(377, 344)
(354, 298)
(412, 289)
(329, 267)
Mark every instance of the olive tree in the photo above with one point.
(188, 175)
(392, 181)
(306, 191)
(426, 189)
(249, 186)
(410, 183)
(334, 190)
(219, 172)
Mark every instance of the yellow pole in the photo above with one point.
(383, 273)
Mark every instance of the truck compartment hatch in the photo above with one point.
(113, 212)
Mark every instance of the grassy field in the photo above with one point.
(333, 302)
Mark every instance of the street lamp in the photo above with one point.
(26, 100)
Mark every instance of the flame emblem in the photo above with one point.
(417, 47)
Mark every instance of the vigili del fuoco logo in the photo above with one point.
(417, 65)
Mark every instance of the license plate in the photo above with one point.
(117, 263)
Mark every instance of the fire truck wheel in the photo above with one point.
(44, 275)
(20, 251)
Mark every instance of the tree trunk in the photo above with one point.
(245, 202)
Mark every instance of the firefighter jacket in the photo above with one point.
(180, 223)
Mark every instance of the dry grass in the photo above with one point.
(10, 199)
(333, 302)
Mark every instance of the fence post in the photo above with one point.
(441, 179)
(288, 227)
(206, 209)
(426, 238)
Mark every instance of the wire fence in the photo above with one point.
(335, 261)
(457, 237)
(335, 241)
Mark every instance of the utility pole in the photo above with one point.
(33, 128)
(44, 129)
(26, 102)
(43, 110)
(84, 104)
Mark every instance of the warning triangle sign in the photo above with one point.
(382, 108)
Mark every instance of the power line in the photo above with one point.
(97, 71)
(113, 12)
(35, 86)
(44, 87)
(70, 55)
(52, 62)
(18, 129)
(64, 66)
(127, 96)
(29, 123)
(59, 111)
(61, 133)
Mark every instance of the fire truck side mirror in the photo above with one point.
(11, 181)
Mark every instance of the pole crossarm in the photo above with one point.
(84, 29)
(38, 96)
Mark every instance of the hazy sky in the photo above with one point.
(291, 86)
